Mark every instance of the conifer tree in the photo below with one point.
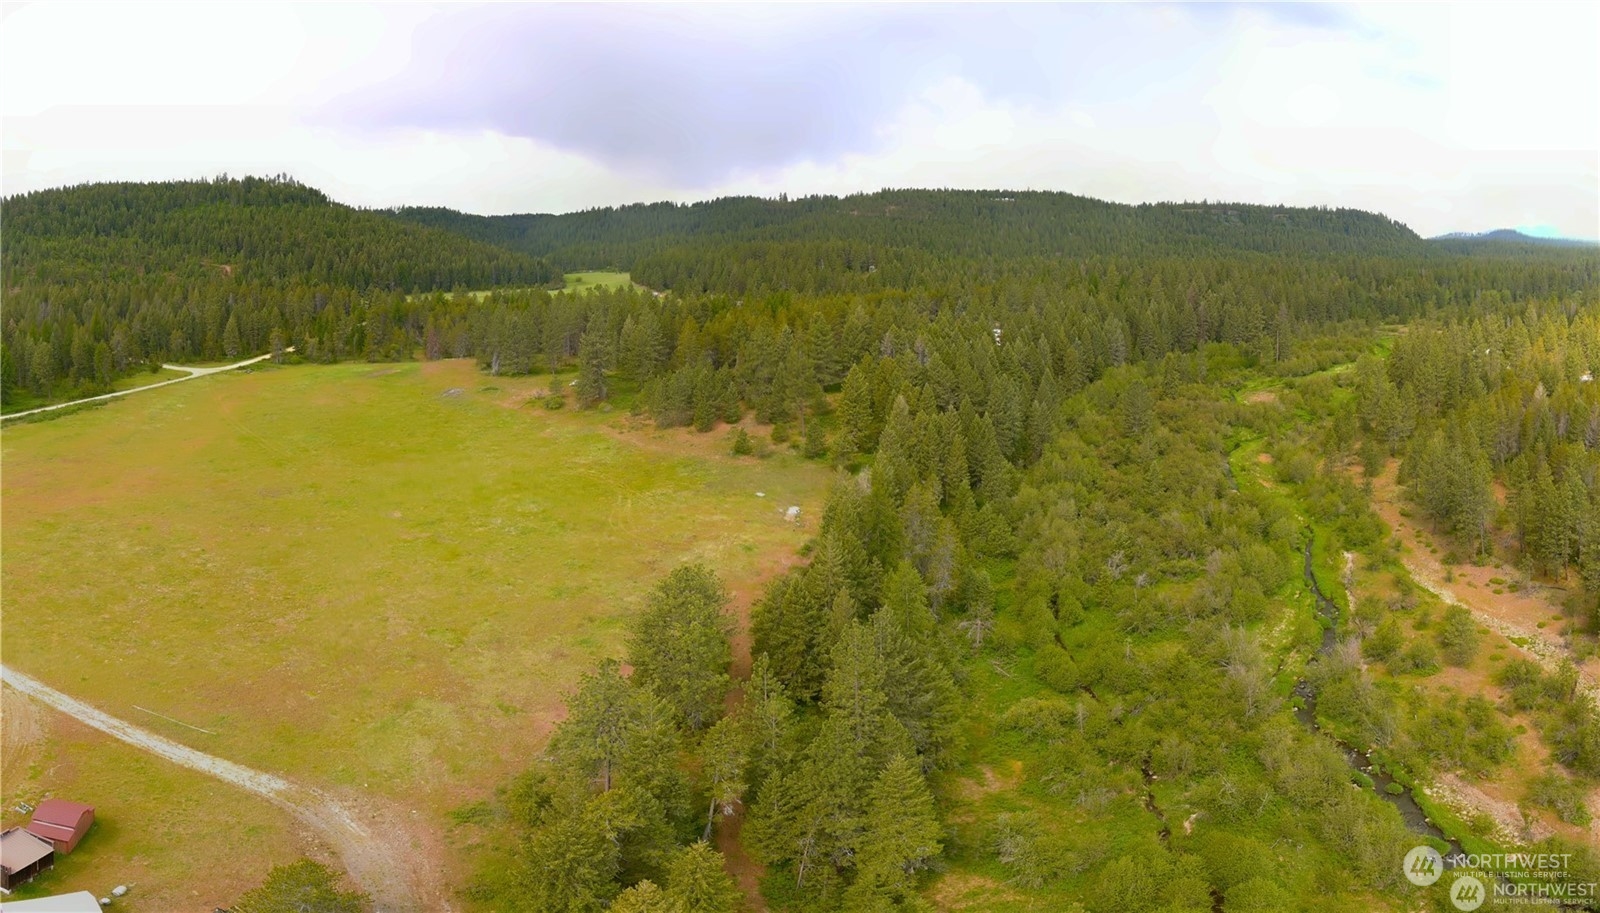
(900, 835)
(679, 646)
(724, 754)
(644, 897)
(697, 882)
(230, 337)
(591, 387)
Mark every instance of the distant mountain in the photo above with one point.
(972, 224)
(271, 230)
(1466, 242)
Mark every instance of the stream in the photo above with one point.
(1403, 801)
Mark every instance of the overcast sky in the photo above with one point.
(1446, 117)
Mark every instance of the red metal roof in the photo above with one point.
(61, 812)
(61, 821)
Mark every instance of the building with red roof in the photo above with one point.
(62, 823)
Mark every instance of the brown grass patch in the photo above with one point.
(968, 891)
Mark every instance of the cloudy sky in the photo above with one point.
(1446, 116)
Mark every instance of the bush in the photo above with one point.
(1418, 659)
(1458, 636)
(298, 887)
(743, 445)
(1562, 796)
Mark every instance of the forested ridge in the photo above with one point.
(257, 230)
(961, 223)
(101, 280)
(1053, 643)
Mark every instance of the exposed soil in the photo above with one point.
(746, 872)
(1500, 797)
(1512, 615)
(1458, 793)
(22, 730)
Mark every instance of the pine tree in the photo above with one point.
(768, 713)
(856, 424)
(301, 887)
(571, 864)
(679, 647)
(724, 754)
(643, 897)
(615, 732)
(816, 441)
(591, 387)
(698, 882)
(230, 337)
(901, 834)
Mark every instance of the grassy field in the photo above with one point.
(374, 579)
(132, 382)
(174, 835)
(577, 282)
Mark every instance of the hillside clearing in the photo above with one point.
(286, 559)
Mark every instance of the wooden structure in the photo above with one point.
(61, 823)
(23, 856)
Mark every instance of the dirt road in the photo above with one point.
(379, 863)
(193, 373)
(1516, 616)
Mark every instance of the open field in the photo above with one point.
(577, 282)
(374, 579)
(172, 834)
(24, 402)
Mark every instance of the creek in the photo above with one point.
(1386, 787)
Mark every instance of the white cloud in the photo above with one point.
(1460, 117)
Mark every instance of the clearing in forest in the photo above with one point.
(578, 282)
(376, 580)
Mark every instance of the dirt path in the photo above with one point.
(379, 865)
(1514, 616)
(745, 871)
(193, 373)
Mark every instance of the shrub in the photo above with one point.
(1418, 659)
(1562, 796)
(1458, 636)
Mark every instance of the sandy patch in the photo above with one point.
(1512, 615)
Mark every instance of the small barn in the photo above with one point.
(22, 856)
(61, 823)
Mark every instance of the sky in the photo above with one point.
(1448, 117)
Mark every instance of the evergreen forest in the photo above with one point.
(1103, 613)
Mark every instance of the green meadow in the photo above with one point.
(578, 282)
(377, 579)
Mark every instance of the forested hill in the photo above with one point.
(251, 230)
(971, 224)
(1508, 242)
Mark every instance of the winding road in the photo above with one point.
(382, 868)
(193, 373)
